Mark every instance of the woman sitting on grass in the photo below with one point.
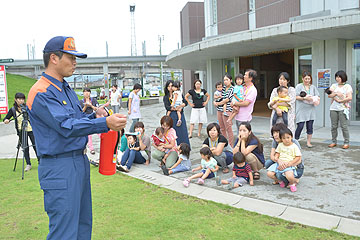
(208, 168)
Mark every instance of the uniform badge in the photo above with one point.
(64, 102)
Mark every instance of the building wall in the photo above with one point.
(270, 12)
(327, 54)
(232, 16)
(192, 30)
(192, 23)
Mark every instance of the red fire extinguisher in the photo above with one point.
(108, 152)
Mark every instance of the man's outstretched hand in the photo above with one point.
(116, 121)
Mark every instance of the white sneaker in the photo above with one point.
(122, 168)
(125, 168)
(27, 168)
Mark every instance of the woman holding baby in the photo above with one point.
(341, 96)
(307, 97)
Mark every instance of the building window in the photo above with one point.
(305, 61)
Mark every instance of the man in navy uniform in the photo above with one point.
(61, 129)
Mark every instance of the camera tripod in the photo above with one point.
(23, 141)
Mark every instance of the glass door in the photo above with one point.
(355, 81)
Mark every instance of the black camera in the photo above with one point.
(24, 112)
(328, 91)
(302, 94)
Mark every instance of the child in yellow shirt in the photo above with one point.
(287, 154)
(281, 111)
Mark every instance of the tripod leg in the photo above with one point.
(17, 154)
(24, 146)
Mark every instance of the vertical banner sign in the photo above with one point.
(3, 91)
(323, 78)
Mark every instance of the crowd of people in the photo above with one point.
(171, 145)
(292, 109)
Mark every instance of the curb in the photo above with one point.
(288, 213)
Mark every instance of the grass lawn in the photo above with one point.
(127, 208)
(17, 83)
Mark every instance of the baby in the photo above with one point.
(177, 100)
(238, 96)
(281, 111)
(218, 92)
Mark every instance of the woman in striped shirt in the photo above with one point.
(224, 109)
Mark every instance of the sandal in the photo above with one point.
(256, 175)
(165, 170)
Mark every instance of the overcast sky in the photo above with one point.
(91, 23)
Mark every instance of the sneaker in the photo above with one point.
(186, 182)
(218, 180)
(96, 164)
(200, 181)
(293, 188)
(282, 184)
(231, 185)
(178, 123)
(27, 168)
(125, 168)
(165, 170)
(122, 168)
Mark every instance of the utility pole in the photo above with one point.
(133, 33)
(161, 37)
(107, 50)
(143, 69)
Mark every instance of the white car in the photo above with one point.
(154, 92)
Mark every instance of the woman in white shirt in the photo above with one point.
(341, 95)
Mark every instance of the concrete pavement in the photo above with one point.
(328, 193)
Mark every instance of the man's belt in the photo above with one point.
(74, 153)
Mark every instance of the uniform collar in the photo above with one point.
(54, 80)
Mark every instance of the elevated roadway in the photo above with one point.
(94, 65)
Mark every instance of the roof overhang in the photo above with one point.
(265, 40)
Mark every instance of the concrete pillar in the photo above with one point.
(214, 73)
(329, 54)
(236, 66)
(106, 78)
(318, 62)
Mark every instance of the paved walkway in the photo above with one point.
(328, 194)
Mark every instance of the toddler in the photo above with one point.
(218, 94)
(183, 163)
(159, 140)
(238, 96)
(285, 152)
(281, 110)
(177, 100)
(241, 173)
(208, 167)
(133, 144)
